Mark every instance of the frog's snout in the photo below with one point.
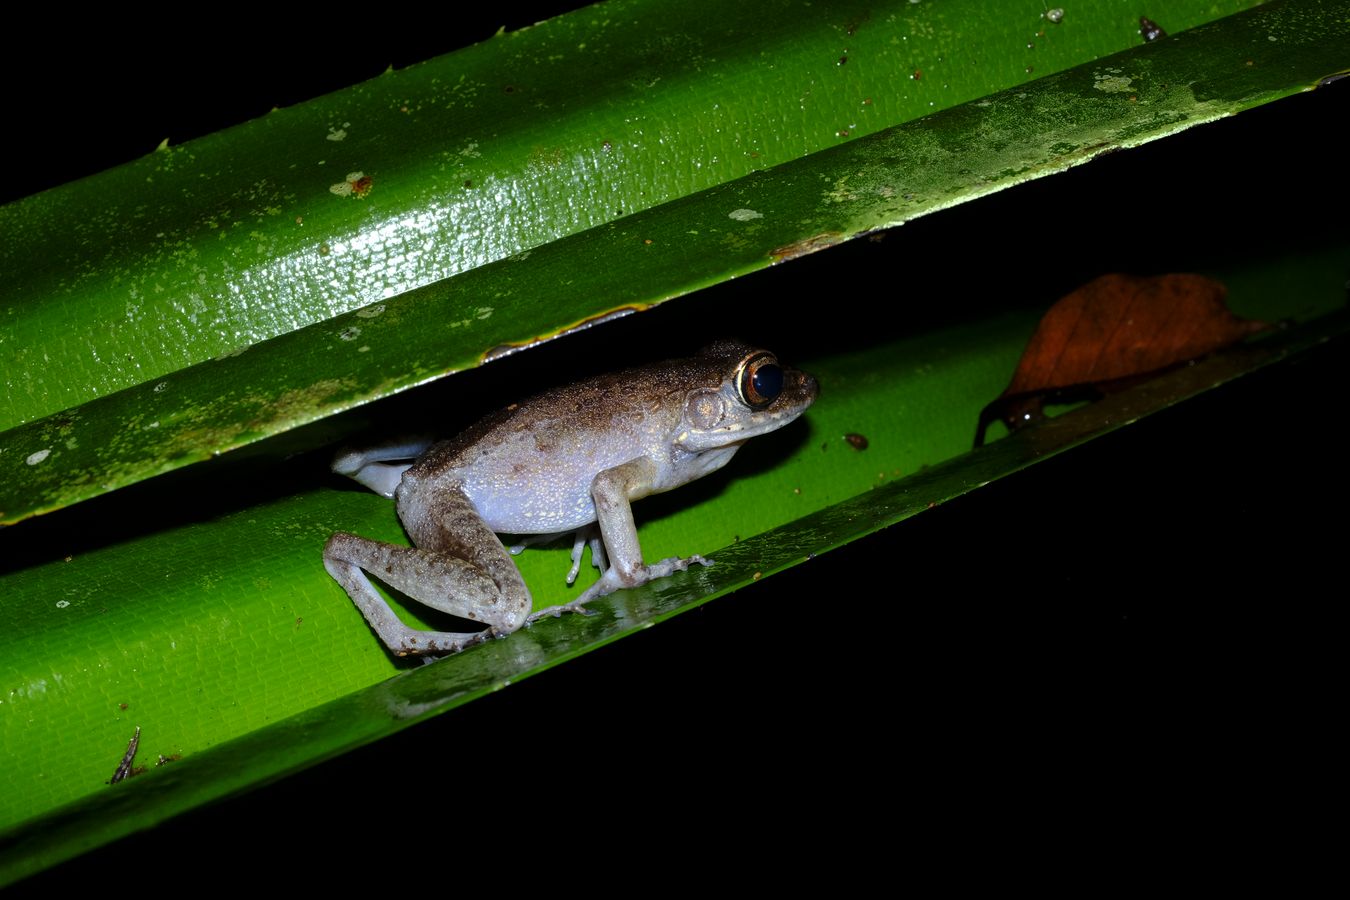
(811, 386)
(805, 388)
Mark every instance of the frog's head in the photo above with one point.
(744, 393)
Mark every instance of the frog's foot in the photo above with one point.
(588, 534)
(671, 566)
(576, 606)
(612, 581)
(370, 466)
(431, 645)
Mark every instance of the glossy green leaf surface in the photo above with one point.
(332, 691)
(789, 210)
(219, 634)
(312, 211)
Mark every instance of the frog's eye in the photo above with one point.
(759, 379)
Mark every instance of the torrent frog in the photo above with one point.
(551, 465)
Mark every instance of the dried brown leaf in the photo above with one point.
(1111, 333)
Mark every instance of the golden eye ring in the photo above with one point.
(759, 379)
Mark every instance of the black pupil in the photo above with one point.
(767, 381)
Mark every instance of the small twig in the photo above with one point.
(124, 767)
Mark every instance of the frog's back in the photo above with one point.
(528, 469)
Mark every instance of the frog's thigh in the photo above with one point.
(443, 522)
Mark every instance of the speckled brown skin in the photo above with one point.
(552, 464)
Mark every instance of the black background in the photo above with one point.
(1123, 652)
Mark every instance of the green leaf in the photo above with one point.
(794, 208)
(203, 249)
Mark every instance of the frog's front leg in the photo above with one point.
(613, 491)
(458, 566)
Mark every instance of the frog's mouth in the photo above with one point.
(739, 432)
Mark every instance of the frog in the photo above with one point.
(567, 461)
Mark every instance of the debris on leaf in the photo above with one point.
(124, 767)
(856, 441)
(1150, 30)
(1112, 333)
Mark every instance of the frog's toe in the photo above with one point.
(572, 573)
(555, 612)
(672, 565)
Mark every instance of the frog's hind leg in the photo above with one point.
(414, 572)
(371, 466)
(458, 566)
